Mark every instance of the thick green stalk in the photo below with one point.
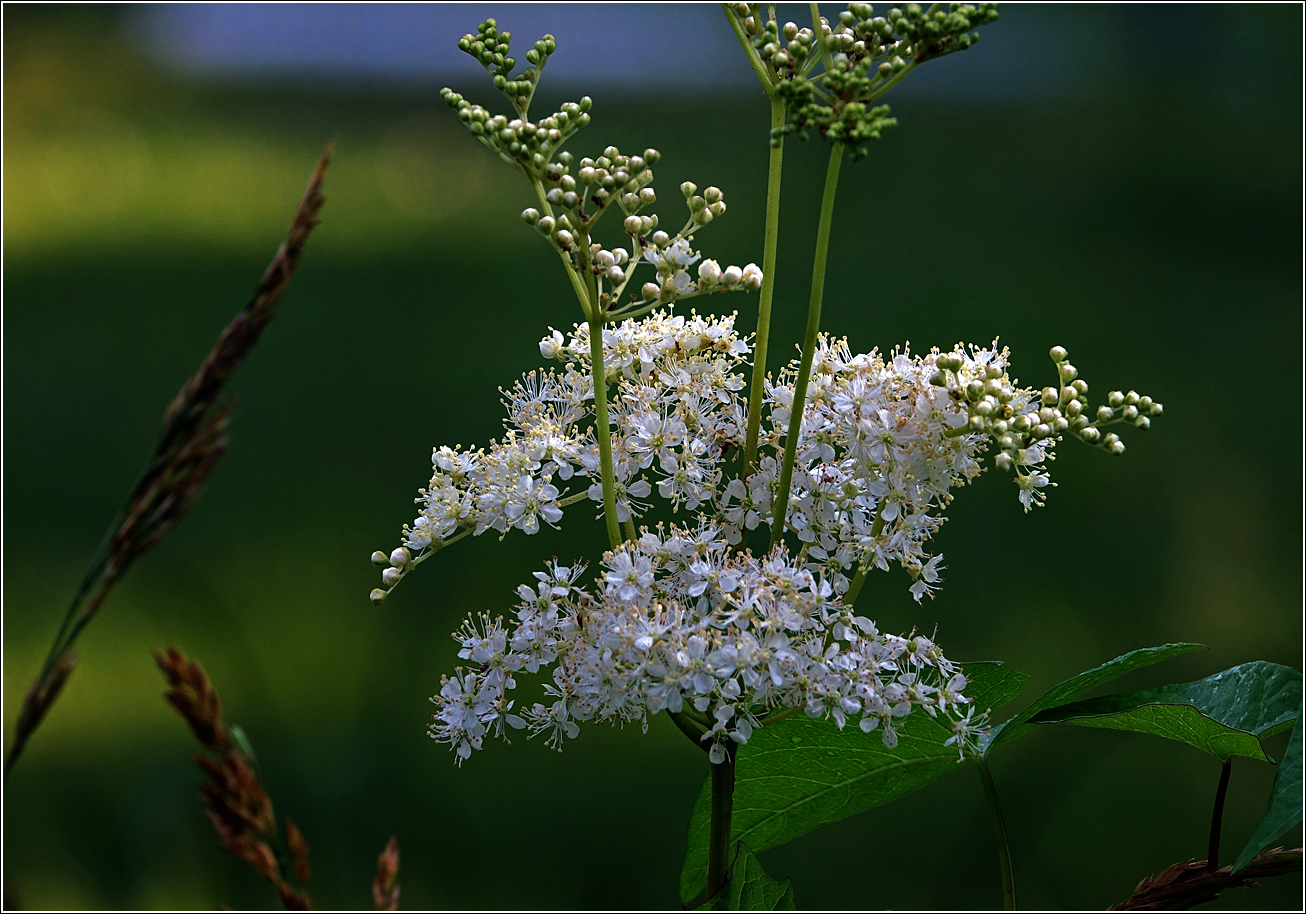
(1000, 830)
(718, 848)
(1217, 816)
(601, 427)
(771, 240)
(809, 344)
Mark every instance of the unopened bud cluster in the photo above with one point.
(491, 48)
(864, 56)
(1024, 424)
(679, 622)
(574, 195)
(614, 176)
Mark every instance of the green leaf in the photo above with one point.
(798, 774)
(750, 889)
(1225, 714)
(1078, 685)
(1285, 801)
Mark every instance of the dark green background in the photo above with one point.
(1141, 206)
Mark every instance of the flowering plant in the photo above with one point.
(727, 599)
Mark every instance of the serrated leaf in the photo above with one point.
(1225, 714)
(751, 889)
(799, 774)
(1285, 810)
(1077, 685)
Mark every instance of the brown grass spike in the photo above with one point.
(236, 803)
(385, 888)
(192, 443)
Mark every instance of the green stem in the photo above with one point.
(820, 37)
(859, 579)
(601, 428)
(763, 72)
(723, 800)
(690, 728)
(809, 344)
(771, 241)
(1000, 830)
(1217, 817)
(582, 295)
(892, 81)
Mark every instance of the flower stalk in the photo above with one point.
(602, 428)
(771, 238)
(1217, 817)
(809, 343)
(723, 797)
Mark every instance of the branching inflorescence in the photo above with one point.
(645, 409)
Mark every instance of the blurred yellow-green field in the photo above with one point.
(1086, 176)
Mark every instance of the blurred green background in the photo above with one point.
(1125, 182)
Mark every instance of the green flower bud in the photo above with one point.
(380, 558)
(377, 596)
(1049, 395)
(689, 188)
(1058, 353)
(1116, 399)
(1105, 414)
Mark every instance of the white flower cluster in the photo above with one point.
(883, 442)
(677, 405)
(879, 451)
(679, 622)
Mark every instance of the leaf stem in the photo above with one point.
(1000, 830)
(809, 344)
(723, 799)
(1217, 817)
(771, 240)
